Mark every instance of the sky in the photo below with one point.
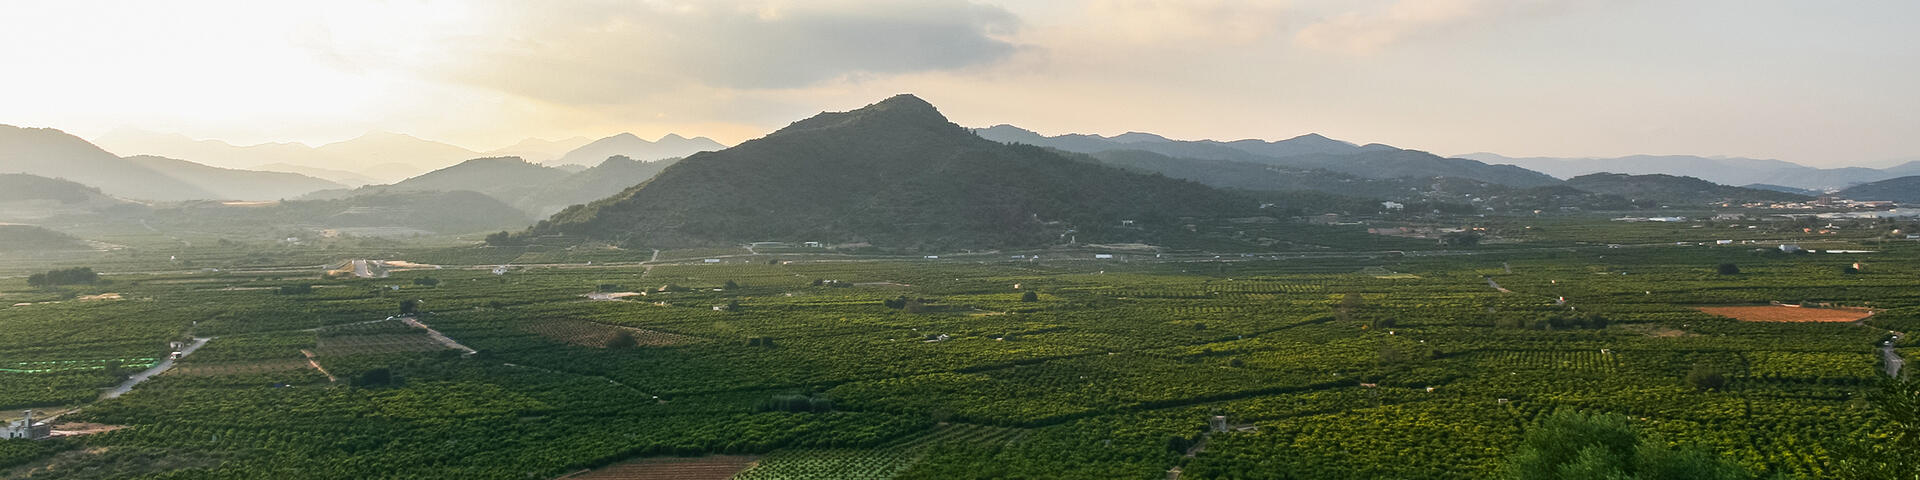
(1816, 82)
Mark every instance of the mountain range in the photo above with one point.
(52, 153)
(1305, 152)
(535, 189)
(633, 147)
(895, 173)
(1905, 190)
(383, 157)
(1723, 170)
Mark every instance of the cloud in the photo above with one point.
(1366, 32)
(624, 52)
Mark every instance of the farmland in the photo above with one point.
(786, 364)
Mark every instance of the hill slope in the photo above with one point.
(1723, 170)
(52, 153)
(1672, 190)
(1305, 152)
(1904, 190)
(29, 238)
(631, 146)
(894, 173)
(607, 179)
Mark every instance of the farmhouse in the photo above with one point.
(26, 429)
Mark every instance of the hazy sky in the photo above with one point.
(1819, 82)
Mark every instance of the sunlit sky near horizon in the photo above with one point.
(1819, 83)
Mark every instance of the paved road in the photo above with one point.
(156, 370)
(1894, 362)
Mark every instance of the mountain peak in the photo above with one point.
(671, 136)
(898, 113)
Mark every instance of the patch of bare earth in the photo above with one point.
(75, 429)
(1788, 313)
(599, 335)
(672, 468)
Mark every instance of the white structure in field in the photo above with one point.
(26, 429)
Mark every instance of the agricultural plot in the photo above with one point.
(697, 468)
(375, 344)
(1322, 367)
(596, 335)
(873, 464)
(1784, 313)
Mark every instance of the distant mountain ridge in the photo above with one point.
(52, 153)
(633, 147)
(1674, 190)
(1723, 170)
(538, 190)
(384, 156)
(1305, 152)
(893, 173)
(1903, 190)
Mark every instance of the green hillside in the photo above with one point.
(895, 173)
(1672, 190)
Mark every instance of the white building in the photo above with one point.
(26, 429)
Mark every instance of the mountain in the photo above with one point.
(52, 153)
(1674, 190)
(384, 156)
(1902, 190)
(611, 177)
(373, 214)
(207, 152)
(1305, 152)
(232, 184)
(504, 178)
(897, 174)
(539, 190)
(631, 146)
(1723, 170)
(371, 154)
(342, 177)
(1782, 188)
(28, 198)
(20, 187)
(29, 238)
(540, 150)
(1252, 176)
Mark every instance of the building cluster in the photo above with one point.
(26, 429)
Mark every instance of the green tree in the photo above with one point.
(426, 281)
(1706, 377)
(621, 339)
(409, 307)
(1888, 457)
(1729, 269)
(1030, 296)
(1570, 445)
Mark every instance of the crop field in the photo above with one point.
(590, 334)
(842, 366)
(375, 344)
(1784, 313)
(721, 467)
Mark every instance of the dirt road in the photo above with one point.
(156, 370)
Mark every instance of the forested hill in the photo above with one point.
(1904, 190)
(1305, 152)
(895, 173)
(1672, 190)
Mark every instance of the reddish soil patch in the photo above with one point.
(698, 468)
(74, 429)
(1783, 313)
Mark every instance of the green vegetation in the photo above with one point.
(1575, 446)
(1330, 360)
(65, 276)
